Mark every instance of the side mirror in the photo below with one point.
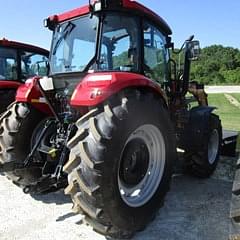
(193, 48)
(46, 84)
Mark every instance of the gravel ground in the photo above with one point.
(195, 209)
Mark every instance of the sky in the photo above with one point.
(211, 21)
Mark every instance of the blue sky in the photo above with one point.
(211, 21)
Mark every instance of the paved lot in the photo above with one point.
(195, 209)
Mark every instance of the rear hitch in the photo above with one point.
(57, 180)
(29, 158)
(64, 154)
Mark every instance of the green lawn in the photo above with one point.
(236, 95)
(229, 114)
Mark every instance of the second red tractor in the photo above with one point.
(18, 62)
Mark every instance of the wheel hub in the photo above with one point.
(135, 162)
(141, 165)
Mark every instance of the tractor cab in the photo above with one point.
(18, 62)
(116, 37)
(109, 37)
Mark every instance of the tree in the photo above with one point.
(217, 65)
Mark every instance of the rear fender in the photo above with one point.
(95, 88)
(197, 127)
(9, 84)
(30, 93)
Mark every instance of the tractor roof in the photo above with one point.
(6, 43)
(126, 5)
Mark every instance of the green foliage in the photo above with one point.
(217, 65)
(121, 60)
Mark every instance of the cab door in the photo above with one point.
(155, 65)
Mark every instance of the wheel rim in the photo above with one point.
(213, 146)
(142, 165)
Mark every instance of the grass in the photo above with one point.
(236, 95)
(229, 114)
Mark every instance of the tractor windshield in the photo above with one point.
(73, 45)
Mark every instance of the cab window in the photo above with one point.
(155, 54)
(120, 44)
(33, 64)
(8, 64)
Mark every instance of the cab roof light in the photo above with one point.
(51, 22)
(98, 5)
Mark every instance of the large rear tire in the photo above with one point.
(202, 163)
(120, 163)
(17, 125)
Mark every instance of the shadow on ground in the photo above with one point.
(55, 197)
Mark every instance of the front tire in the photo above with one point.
(202, 163)
(120, 164)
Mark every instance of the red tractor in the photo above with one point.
(107, 121)
(18, 62)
